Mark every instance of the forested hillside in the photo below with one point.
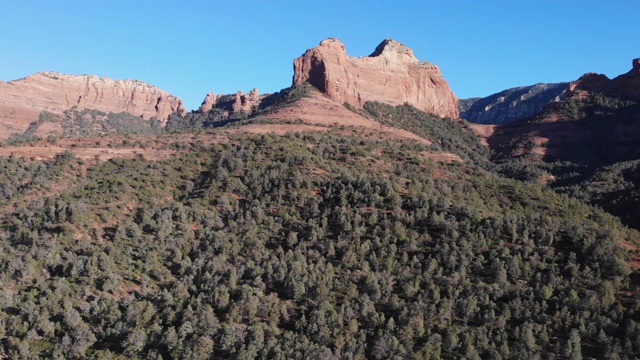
(587, 146)
(84, 123)
(308, 245)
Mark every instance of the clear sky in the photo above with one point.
(190, 48)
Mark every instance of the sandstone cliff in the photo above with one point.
(512, 105)
(21, 101)
(391, 74)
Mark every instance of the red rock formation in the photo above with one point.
(391, 74)
(22, 101)
(232, 103)
(246, 102)
(625, 86)
(208, 103)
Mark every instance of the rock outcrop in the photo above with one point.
(246, 102)
(208, 103)
(232, 103)
(625, 86)
(22, 101)
(512, 105)
(391, 74)
(525, 102)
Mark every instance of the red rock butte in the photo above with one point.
(391, 74)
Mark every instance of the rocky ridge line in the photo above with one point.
(625, 86)
(513, 104)
(22, 101)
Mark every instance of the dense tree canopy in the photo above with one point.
(308, 245)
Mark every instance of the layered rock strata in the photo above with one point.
(22, 101)
(391, 74)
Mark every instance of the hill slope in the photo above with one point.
(301, 246)
(571, 143)
(293, 226)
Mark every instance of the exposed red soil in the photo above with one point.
(442, 157)
(627, 245)
(317, 109)
(483, 132)
(279, 129)
(41, 152)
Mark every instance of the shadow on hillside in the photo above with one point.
(574, 151)
(597, 140)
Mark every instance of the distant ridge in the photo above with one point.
(22, 101)
(511, 105)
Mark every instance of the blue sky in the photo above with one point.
(190, 48)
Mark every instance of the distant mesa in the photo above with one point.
(391, 74)
(22, 101)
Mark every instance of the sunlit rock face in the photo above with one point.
(22, 101)
(391, 74)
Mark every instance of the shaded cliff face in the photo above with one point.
(585, 146)
(22, 101)
(391, 74)
(512, 105)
